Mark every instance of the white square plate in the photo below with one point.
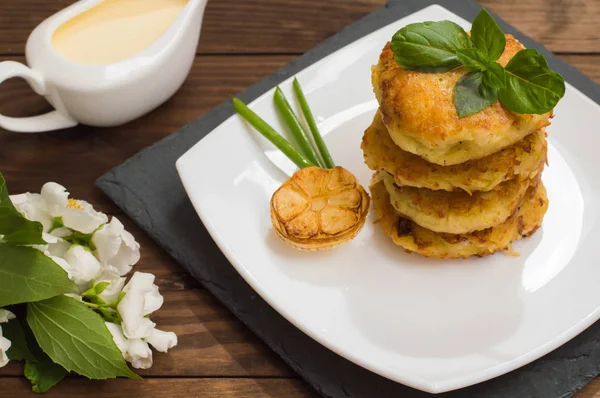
(429, 324)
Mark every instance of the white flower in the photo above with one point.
(5, 344)
(162, 341)
(63, 264)
(6, 315)
(55, 197)
(116, 247)
(116, 283)
(141, 298)
(139, 354)
(77, 215)
(53, 202)
(81, 216)
(33, 208)
(84, 267)
(55, 246)
(135, 351)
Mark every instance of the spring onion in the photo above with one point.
(313, 126)
(269, 133)
(297, 130)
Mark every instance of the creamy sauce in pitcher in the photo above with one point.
(115, 30)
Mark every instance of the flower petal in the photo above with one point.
(59, 248)
(61, 232)
(118, 337)
(153, 300)
(139, 354)
(4, 346)
(116, 247)
(55, 196)
(84, 221)
(84, 266)
(6, 315)
(131, 307)
(116, 283)
(63, 264)
(162, 341)
(32, 207)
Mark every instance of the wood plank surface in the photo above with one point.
(295, 26)
(230, 26)
(166, 388)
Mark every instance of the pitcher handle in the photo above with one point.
(35, 124)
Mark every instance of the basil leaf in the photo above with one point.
(43, 374)
(471, 96)
(473, 59)
(429, 46)
(76, 338)
(487, 36)
(18, 350)
(26, 274)
(495, 76)
(531, 87)
(17, 229)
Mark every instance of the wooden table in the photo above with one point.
(242, 41)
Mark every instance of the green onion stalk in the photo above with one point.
(298, 132)
(269, 133)
(310, 120)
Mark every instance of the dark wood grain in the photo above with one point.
(295, 26)
(561, 25)
(230, 26)
(165, 388)
(216, 356)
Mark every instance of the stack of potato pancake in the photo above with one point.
(446, 186)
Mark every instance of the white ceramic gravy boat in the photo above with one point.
(103, 95)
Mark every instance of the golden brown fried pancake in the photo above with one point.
(418, 111)
(457, 212)
(524, 159)
(414, 238)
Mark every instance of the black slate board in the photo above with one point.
(148, 189)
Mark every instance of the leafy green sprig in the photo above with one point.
(525, 85)
(53, 333)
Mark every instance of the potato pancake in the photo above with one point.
(524, 159)
(418, 111)
(414, 238)
(457, 212)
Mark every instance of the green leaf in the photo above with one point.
(494, 76)
(473, 59)
(429, 46)
(81, 239)
(531, 87)
(39, 369)
(487, 36)
(17, 229)
(101, 287)
(471, 96)
(18, 350)
(28, 275)
(76, 338)
(43, 374)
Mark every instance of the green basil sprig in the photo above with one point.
(525, 85)
(429, 46)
